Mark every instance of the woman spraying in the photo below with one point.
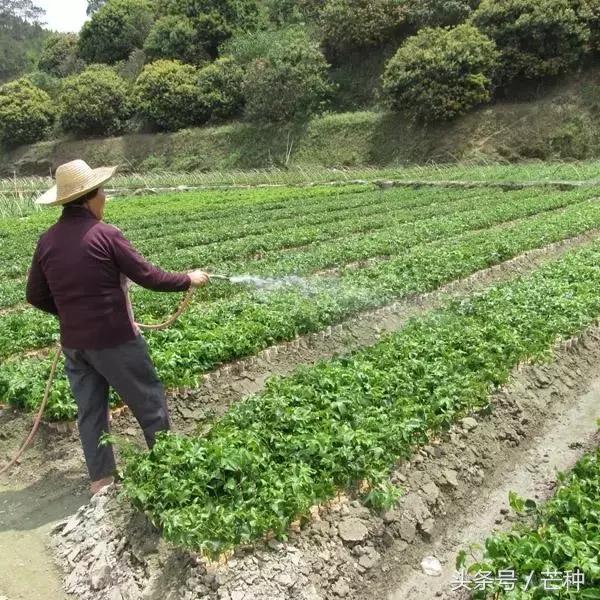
(80, 272)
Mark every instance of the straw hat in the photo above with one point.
(73, 180)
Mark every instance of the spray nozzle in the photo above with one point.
(220, 277)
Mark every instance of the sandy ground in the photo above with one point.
(27, 514)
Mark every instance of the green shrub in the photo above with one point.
(169, 97)
(289, 83)
(27, 113)
(221, 87)
(95, 102)
(59, 55)
(175, 37)
(589, 12)
(441, 73)
(439, 13)
(286, 12)
(49, 83)
(537, 38)
(359, 23)
(115, 30)
(213, 21)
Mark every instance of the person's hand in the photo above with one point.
(199, 278)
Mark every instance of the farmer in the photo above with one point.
(80, 272)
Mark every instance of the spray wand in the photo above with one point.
(220, 277)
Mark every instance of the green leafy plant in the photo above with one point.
(27, 113)
(439, 74)
(95, 102)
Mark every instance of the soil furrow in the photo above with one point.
(545, 414)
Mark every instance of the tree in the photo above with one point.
(118, 28)
(348, 24)
(59, 55)
(439, 13)
(21, 37)
(26, 113)
(94, 6)
(288, 83)
(176, 37)
(441, 73)
(168, 96)
(25, 10)
(213, 20)
(95, 102)
(220, 85)
(289, 12)
(537, 38)
(589, 12)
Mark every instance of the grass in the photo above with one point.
(17, 194)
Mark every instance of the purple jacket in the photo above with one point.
(80, 272)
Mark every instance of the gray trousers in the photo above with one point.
(129, 370)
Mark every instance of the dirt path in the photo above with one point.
(27, 514)
(530, 470)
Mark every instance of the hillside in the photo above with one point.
(252, 83)
(557, 121)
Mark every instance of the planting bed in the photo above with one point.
(406, 250)
(365, 462)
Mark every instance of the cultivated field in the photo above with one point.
(393, 315)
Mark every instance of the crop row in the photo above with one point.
(246, 234)
(225, 329)
(28, 329)
(554, 549)
(346, 422)
(149, 215)
(16, 250)
(395, 238)
(213, 255)
(154, 218)
(396, 207)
